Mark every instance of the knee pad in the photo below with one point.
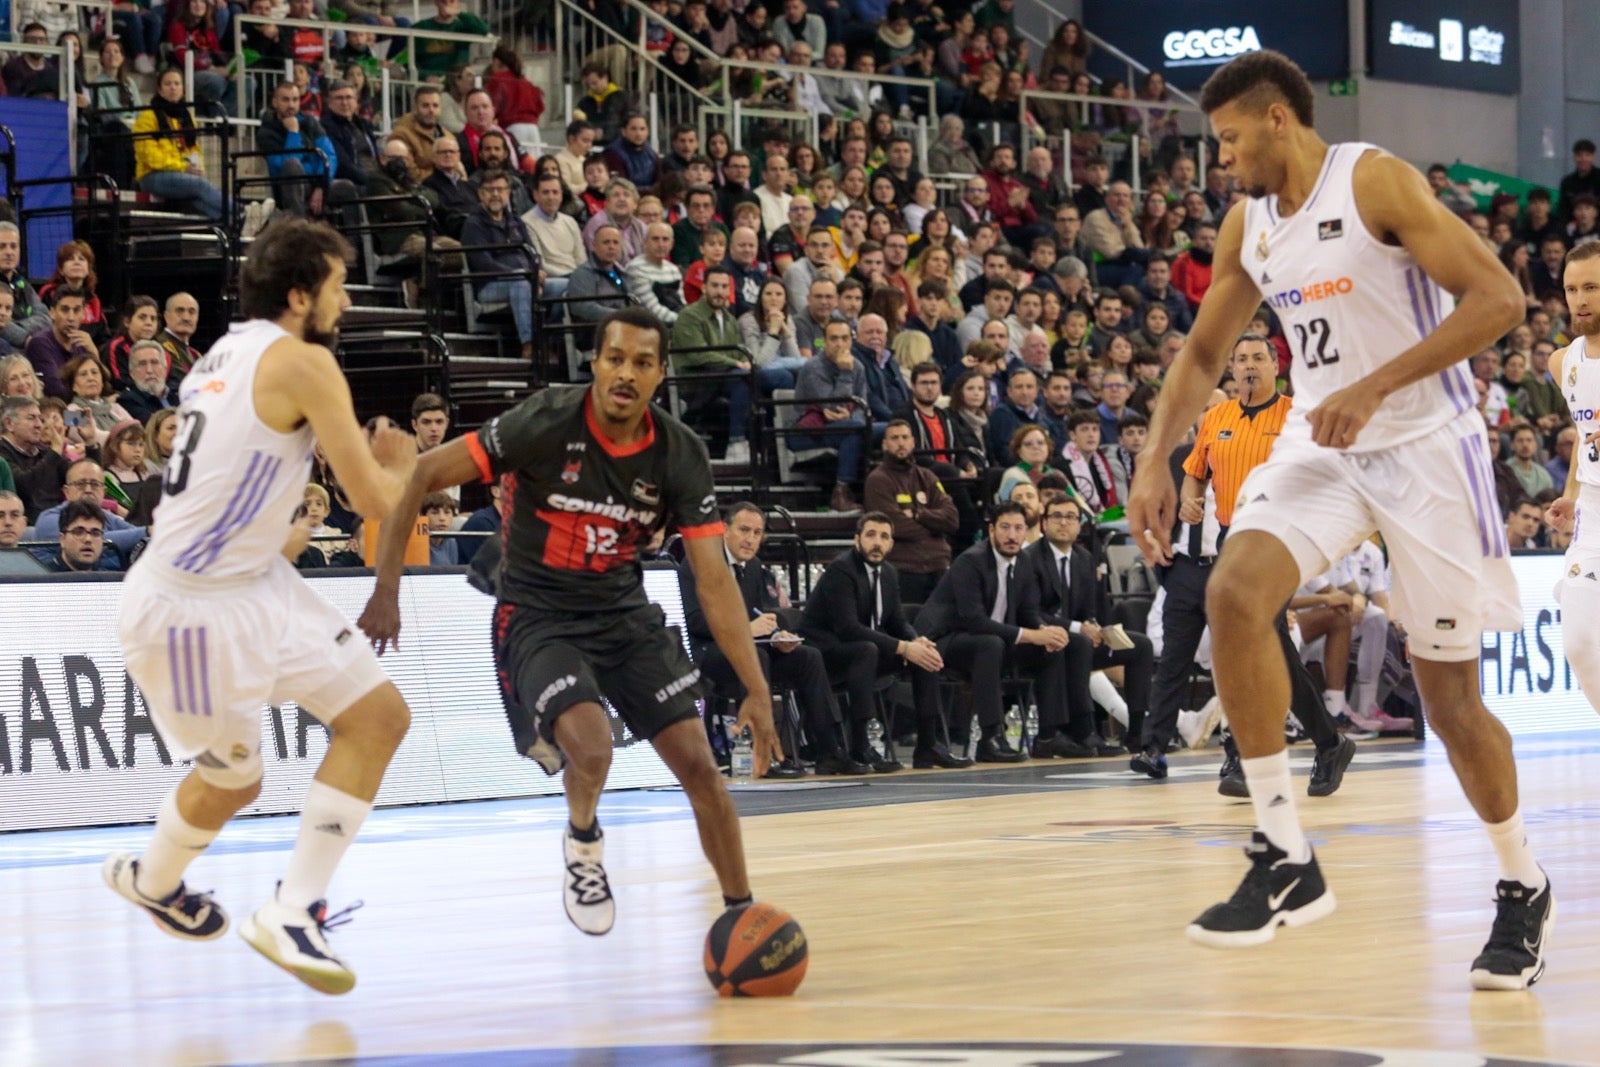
(227, 772)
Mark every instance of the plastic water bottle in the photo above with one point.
(744, 757)
(1014, 725)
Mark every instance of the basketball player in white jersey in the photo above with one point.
(216, 623)
(1383, 293)
(1577, 510)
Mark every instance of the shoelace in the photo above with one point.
(589, 882)
(1258, 882)
(186, 903)
(1512, 919)
(342, 917)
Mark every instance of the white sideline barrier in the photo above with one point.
(77, 747)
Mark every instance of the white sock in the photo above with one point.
(176, 844)
(1516, 858)
(327, 826)
(1333, 700)
(1272, 793)
(1366, 697)
(1104, 692)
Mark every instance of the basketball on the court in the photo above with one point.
(756, 951)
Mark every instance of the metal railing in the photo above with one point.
(386, 36)
(22, 13)
(1130, 147)
(582, 38)
(1101, 45)
(669, 100)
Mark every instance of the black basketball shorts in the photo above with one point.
(548, 662)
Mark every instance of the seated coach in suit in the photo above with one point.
(985, 620)
(786, 661)
(1073, 596)
(854, 616)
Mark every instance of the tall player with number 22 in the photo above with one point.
(1347, 244)
(216, 623)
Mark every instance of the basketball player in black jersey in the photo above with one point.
(591, 475)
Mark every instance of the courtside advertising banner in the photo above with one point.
(1524, 673)
(77, 747)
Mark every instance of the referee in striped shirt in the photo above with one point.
(1233, 440)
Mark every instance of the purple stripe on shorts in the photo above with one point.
(1496, 528)
(188, 669)
(172, 661)
(205, 673)
(1477, 494)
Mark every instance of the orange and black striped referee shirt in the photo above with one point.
(1233, 441)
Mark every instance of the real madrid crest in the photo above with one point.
(1573, 573)
(1262, 251)
(1572, 377)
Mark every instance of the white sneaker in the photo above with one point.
(1196, 727)
(738, 452)
(144, 64)
(586, 890)
(297, 941)
(185, 915)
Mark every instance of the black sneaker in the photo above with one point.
(1230, 778)
(1274, 893)
(1327, 769)
(1514, 957)
(1149, 761)
(186, 915)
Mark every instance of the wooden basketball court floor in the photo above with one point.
(948, 913)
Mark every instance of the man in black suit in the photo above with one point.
(854, 616)
(786, 661)
(986, 624)
(1072, 595)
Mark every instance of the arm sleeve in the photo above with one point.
(330, 156)
(939, 514)
(880, 496)
(971, 615)
(644, 294)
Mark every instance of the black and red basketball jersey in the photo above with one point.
(581, 505)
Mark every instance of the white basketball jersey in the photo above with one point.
(1580, 385)
(232, 484)
(1349, 304)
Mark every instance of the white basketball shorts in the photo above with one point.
(1433, 501)
(209, 658)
